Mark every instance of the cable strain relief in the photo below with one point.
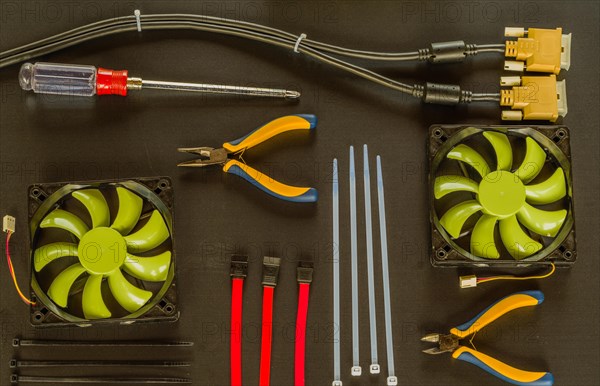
(471, 49)
(424, 54)
(418, 91)
(511, 49)
(507, 97)
(466, 96)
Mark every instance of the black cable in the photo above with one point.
(491, 48)
(240, 29)
(333, 49)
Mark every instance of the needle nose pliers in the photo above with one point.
(210, 156)
(451, 342)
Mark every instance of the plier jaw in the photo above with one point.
(226, 156)
(451, 342)
(208, 156)
(446, 343)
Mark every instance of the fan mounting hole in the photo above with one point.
(35, 192)
(559, 135)
(441, 253)
(38, 316)
(567, 254)
(169, 308)
(163, 184)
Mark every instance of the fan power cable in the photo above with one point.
(8, 227)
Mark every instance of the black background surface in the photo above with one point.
(47, 139)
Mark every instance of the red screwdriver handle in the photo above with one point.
(111, 82)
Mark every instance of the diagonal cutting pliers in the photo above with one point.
(451, 342)
(222, 156)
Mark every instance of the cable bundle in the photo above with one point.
(433, 93)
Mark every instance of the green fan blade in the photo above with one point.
(482, 238)
(96, 204)
(50, 252)
(153, 268)
(93, 304)
(129, 296)
(501, 146)
(516, 241)
(466, 154)
(61, 286)
(130, 209)
(449, 184)
(543, 222)
(150, 236)
(62, 219)
(551, 190)
(454, 219)
(532, 164)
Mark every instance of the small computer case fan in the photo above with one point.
(102, 252)
(501, 196)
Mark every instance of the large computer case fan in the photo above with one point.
(501, 196)
(102, 252)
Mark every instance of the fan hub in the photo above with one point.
(102, 250)
(501, 194)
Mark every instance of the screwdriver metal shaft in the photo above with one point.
(140, 84)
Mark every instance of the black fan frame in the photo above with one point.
(445, 252)
(44, 197)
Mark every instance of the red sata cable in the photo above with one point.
(239, 270)
(266, 337)
(304, 275)
(270, 274)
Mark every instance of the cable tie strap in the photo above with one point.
(297, 45)
(138, 19)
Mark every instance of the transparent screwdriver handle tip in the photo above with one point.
(56, 78)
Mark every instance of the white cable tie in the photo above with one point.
(138, 20)
(297, 45)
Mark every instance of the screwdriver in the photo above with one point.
(85, 80)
